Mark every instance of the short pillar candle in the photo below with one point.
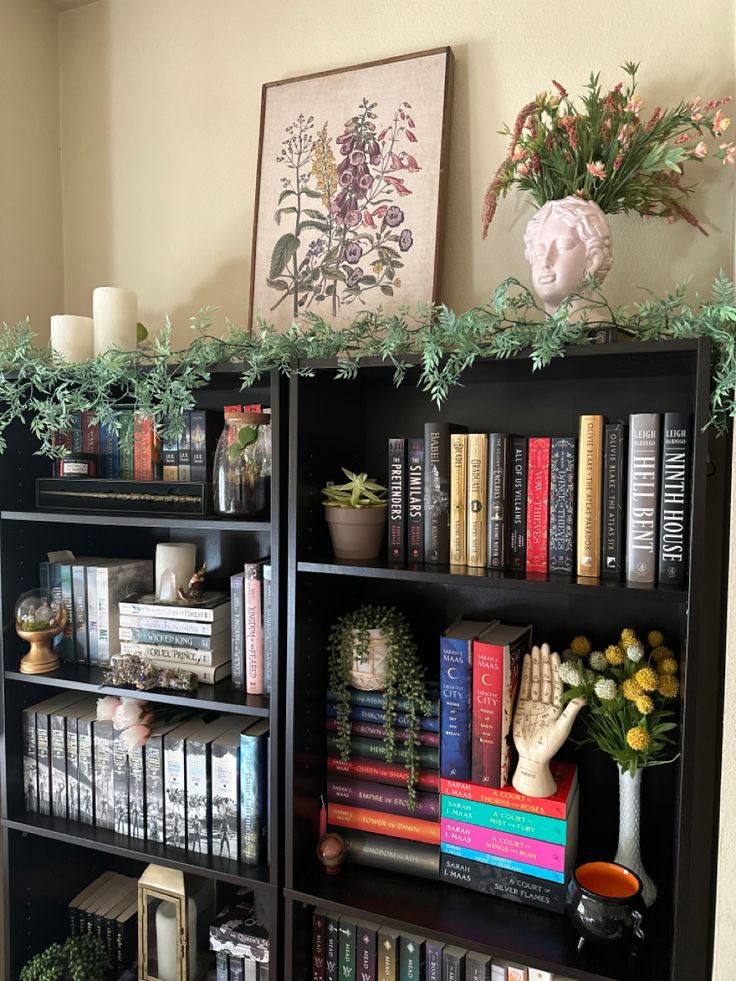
(72, 337)
(115, 314)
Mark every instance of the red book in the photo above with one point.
(537, 505)
(497, 657)
(146, 449)
(556, 806)
(371, 731)
(380, 823)
(395, 774)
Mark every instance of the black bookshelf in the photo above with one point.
(347, 423)
(47, 860)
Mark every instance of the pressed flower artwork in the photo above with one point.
(349, 192)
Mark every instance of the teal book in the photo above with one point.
(536, 826)
(253, 776)
(346, 933)
(411, 958)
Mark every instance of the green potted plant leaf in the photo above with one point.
(356, 516)
(77, 959)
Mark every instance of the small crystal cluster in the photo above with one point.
(129, 669)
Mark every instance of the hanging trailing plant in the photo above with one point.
(77, 959)
(349, 644)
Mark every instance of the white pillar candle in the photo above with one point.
(178, 557)
(72, 337)
(167, 947)
(115, 314)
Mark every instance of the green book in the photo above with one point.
(374, 749)
(411, 958)
(346, 932)
(388, 954)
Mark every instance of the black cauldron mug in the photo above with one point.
(605, 904)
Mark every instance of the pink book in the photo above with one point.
(252, 578)
(514, 847)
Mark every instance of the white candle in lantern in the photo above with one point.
(116, 319)
(167, 946)
(179, 558)
(72, 337)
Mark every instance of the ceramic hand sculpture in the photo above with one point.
(541, 725)
(565, 241)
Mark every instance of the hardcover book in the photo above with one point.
(643, 497)
(519, 465)
(198, 645)
(562, 505)
(175, 783)
(394, 854)
(674, 505)
(253, 627)
(494, 843)
(346, 946)
(388, 954)
(477, 967)
(556, 806)
(378, 717)
(57, 757)
(207, 675)
(415, 500)
(375, 699)
(590, 496)
(120, 447)
(366, 951)
(146, 450)
(536, 826)
(86, 766)
(205, 429)
(497, 511)
(185, 448)
(79, 602)
(103, 763)
(503, 883)
(181, 657)
(453, 963)
(44, 711)
(226, 792)
(332, 947)
(169, 455)
(396, 499)
(437, 491)
(222, 970)
(456, 696)
(380, 797)
(433, 959)
(380, 772)
(237, 969)
(497, 657)
(318, 945)
(458, 498)
(117, 581)
(137, 792)
(30, 763)
(614, 498)
(120, 785)
(253, 777)
(154, 768)
(537, 505)
(373, 731)
(411, 957)
(476, 519)
(428, 756)
(392, 825)
(199, 784)
(268, 632)
(210, 608)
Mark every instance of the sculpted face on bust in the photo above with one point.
(564, 241)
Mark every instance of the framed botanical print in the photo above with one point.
(350, 190)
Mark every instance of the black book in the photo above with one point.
(437, 490)
(562, 505)
(332, 947)
(185, 448)
(517, 516)
(397, 499)
(318, 945)
(614, 500)
(643, 497)
(674, 506)
(205, 429)
(170, 455)
(367, 951)
(477, 967)
(498, 529)
(453, 964)
(415, 500)
(495, 881)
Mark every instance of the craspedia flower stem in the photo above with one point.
(638, 738)
(647, 679)
(580, 646)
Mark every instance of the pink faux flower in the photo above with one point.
(134, 737)
(106, 708)
(701, 150)
(720, 123)
(730, 154)
(596, 169)
(518, 153)
(129, 713)
(634, 105)
(523, 169)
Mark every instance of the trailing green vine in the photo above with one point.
(38, 387)
(77, 959)
(405, 679)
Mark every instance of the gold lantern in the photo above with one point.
(164, 926)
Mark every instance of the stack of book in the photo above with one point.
(367, 798)
(108, 909)
(547, 504)
(199, 783)
(252, 628)
(194, 635)
(345, 947)
(241, 942)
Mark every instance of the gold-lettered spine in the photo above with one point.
(590, 493)
(477, 514)
(458, 498)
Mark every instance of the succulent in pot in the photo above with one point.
(356, 516)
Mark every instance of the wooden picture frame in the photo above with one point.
(350, 190)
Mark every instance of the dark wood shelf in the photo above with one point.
(103, 840)
(219, 698)
(447, 575)
(507, 930)
(135, 520)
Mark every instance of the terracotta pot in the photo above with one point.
(356, 533)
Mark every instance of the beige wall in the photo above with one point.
(31, 262)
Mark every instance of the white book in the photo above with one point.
(181, 657)
(131, 621)
(115, 582)
(212, 608)
(207, 675)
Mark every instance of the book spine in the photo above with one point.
(488, 674)
(535, 826)
(120, 786)
(379, 732)
(332, 947)
(390, 773)
(318, 945)
(642, 498)
(453, 967)
(185, 448)
(103, 763)
(76, 431)
(458, 498)
(509, 846)
(476, 515)
(411, 958)
(67, 650)
(428, 756)
(137, 792)
(155, 799)
(175, 791)
(252, 798)
(555, 806)
(206, 675)
(253, 627)
(225, 800)
(494, 881)
(366, 952)
(199, 794)
(143, 448)
(437, 492)
(433, 960)
(168, 626)
(393, 854)
(511, 864)
(388, 960)
(612, 558)
(30, 762)
(346, 946)
(237, 969)
(518, 490)
(456, 702)
(59, 789)
(93, 645)
(151, 610)
(397, 499)
(378, 717)
(164, 638)
(537, 514)
(103, 615)
(72, 768)
(477, 967)
(374, 797)
(90, 435)
(199, 448)
(498, 513)
(169, 454)
(85, 748)
(590, 496)
(79, 599)
(121, 447)
(674, 524)
(378, 822)
(375, 699)
(562, 505)
(415, 501)
(44, 763)
(178, 656)
(267, 629)
(222, 967)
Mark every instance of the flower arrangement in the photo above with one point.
(629, 688)
(604, 151)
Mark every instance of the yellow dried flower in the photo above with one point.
(667, 665)
(668, 686)
(638, 738)
(661, 652)
(645, 704)
(655, 638)
(632, 689)
(647, 678)
(580, 646)
(628, 636)
(614, 654)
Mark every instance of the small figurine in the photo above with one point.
(196, 586)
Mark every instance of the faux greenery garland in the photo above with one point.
(77, 959)
(39, 387)
(405, 678)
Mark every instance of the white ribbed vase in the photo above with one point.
(629, 838)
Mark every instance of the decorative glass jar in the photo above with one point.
(241, 480)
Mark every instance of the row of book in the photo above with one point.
(350, 949)
(199, 783)
(108, 910)
(614, 502)
(231, 968)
